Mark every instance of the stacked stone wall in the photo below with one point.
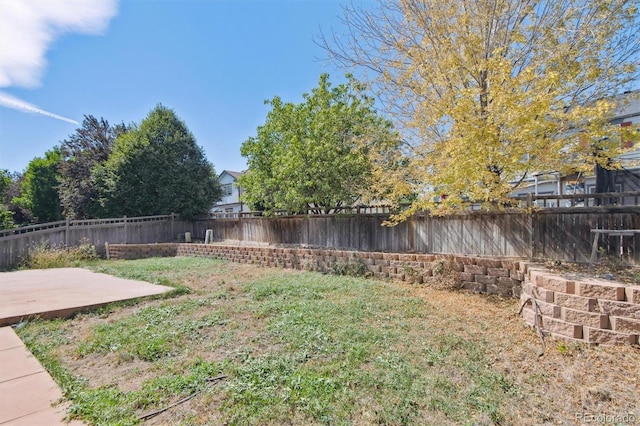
(483, 275)
(141, 251)
(581, 309)
(586, 310)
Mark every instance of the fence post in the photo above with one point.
(125, 230)
(411, 230)
(172, 228)
(66, 233)
(532, 236)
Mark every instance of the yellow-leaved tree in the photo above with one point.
(489, 91)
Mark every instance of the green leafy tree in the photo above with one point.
(82, 152)
(21, 215)
(320, 154)
(488, 91)
(6, 216)
(5, 180)
(157, 168)
(39, 188)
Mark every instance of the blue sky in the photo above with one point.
(213, 62)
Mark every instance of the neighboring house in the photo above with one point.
(626, 179)
(230, 202)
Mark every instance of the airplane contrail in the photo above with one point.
(15, 103)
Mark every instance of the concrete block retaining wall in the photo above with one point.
(586, 310)
(503, 277)
(581, 309)
(140, 251)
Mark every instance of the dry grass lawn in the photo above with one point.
(304, 348)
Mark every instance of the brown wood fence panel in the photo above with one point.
(480, 234)
(553, 234)
(562, 234)
(567, 236)
(16, 243)
(13, 248)
(295, 231)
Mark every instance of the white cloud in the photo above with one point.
(27, 29)
(15, 103)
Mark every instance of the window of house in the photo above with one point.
(227, 189)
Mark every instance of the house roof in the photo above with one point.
(628, 105)
(233, 174)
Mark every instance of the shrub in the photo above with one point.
(353, 268)
(44, 256)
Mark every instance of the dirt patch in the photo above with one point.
(567, 381)
(611, 269)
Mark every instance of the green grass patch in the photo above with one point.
(154, 332)
(172, 268)
(317, 349)
(170, 271)
(346, 339)
(109, 405)
(42, 338)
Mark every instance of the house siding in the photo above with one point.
(230, 201)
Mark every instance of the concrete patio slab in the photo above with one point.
(62, 292)
(54, 416)
(15, 364)
(28, 391)
(28, 394)
(9, 340)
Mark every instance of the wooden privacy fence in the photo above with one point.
(562, 234)
(16, 243)
(566, 234)
(497, 235)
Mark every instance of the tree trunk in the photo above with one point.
(605, 182)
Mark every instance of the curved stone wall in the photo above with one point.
(584, 309)
(480, 274)
(581, 309)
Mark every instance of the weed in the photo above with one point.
(45, 256)
(562, 348)
(153, 333)
(611, 263)
(409, 271)
(352, 268)
(438, 267)
(569, 349)
(411, 274)
(309, 264)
